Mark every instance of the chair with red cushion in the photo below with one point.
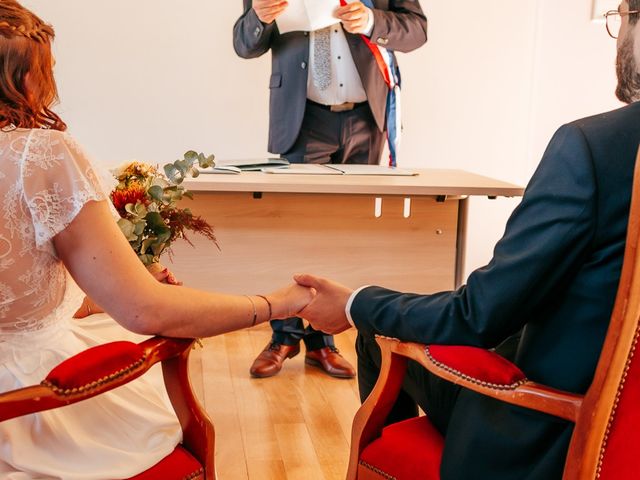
(606, 437)
(105, 367)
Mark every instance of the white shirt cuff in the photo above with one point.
(369, 29)
(347, 309)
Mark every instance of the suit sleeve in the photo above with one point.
(402, 28)
(546, 241)
(251, 37)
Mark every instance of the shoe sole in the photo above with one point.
(315, 363)
(290, 355)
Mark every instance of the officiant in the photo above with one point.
(333, 100)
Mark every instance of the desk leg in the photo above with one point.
(461, 242)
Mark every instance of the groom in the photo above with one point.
(554, 275)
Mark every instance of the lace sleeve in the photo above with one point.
(58, 180)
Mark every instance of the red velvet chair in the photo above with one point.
(105, 367)
(606, 437)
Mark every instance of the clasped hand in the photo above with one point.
(354, 16)
(319, 301)
(327, 310)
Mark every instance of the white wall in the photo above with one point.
(150, 79)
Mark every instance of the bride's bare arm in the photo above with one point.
(157, 270)
(93, 243)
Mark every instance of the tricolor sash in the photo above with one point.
(391, 75)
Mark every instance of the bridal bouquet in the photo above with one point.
(146, 200)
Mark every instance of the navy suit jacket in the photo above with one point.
(399, 25)
(554, 274)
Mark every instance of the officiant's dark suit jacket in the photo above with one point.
(399, 25)
(554, 273)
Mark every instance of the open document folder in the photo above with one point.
(246, 165)
(339, 169)
(307, 15)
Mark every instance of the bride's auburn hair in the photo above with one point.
(27, 86)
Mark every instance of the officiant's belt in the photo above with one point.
(341, 107)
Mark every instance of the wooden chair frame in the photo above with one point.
(198, 431)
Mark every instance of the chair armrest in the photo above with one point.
(487, 373)
(106, 367)
(90, 373)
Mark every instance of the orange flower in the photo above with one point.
(133, 193)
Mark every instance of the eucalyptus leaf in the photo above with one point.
(164, 236)
(130, 208)
(141, 210)
(139, 227)
(158, 248)
(173, 173)
(156, 192)
(148, 259)
(127, 228)
(191, 156)
(146, 244)
(155, 221)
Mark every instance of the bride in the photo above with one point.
(56, 220)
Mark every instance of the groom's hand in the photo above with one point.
(326, 312)
(269, 10)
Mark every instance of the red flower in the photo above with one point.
(133, 193)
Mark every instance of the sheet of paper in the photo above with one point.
(307, 15)
(303, 169)
(355, 169)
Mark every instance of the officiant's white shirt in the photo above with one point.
(346, 85)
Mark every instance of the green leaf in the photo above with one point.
(191, 156)
(127, 228)
(156, 192)
(158, 248)
(130, 208)
(148, 259)
(155, 221)
(139, 227)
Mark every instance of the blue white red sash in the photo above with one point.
(391, 75)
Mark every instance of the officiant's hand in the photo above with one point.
(354, 17)
(269, 10)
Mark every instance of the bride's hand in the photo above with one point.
(288, 301)
(88, 307)
(163, 274)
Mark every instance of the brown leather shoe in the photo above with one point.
(270, 360)
(330, 360)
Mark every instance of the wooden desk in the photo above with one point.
(271, 226)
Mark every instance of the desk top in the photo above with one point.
(429, 182)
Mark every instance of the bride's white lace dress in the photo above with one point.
(45, 180)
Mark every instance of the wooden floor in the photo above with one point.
(294, 426)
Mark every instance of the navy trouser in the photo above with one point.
(291, 330)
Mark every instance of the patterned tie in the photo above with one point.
(322, 58)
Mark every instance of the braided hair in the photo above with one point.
(27, 85)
